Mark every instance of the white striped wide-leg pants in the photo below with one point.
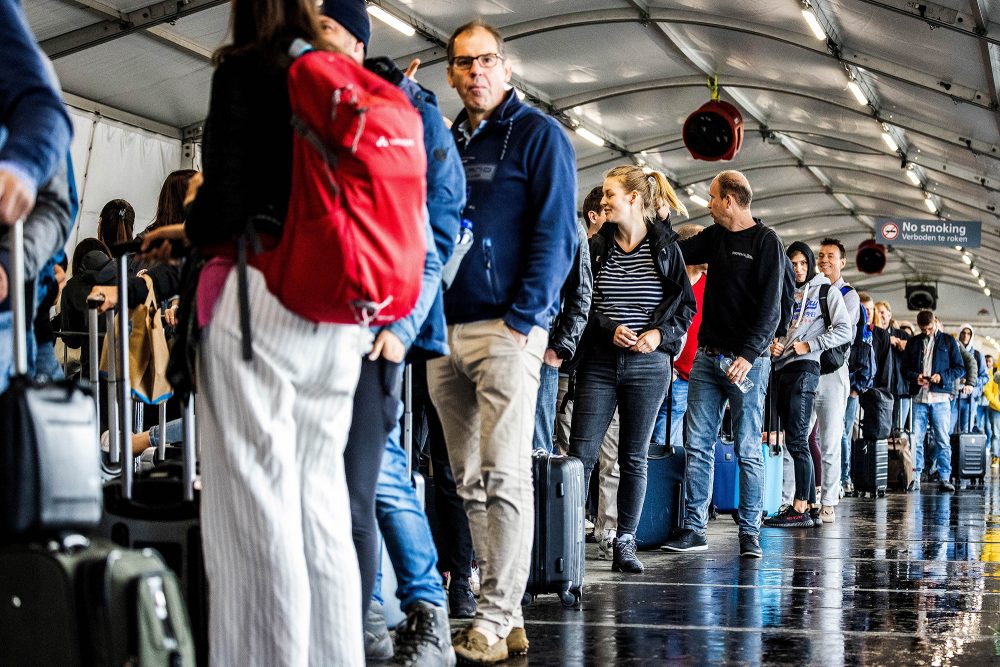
(282, 570)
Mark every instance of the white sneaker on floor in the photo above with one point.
(827, 514)
(474, 579)
(606, 545)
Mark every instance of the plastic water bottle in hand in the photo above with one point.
(724, 363)
(463, 242)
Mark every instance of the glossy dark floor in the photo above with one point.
(911, 579)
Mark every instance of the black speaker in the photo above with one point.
(714, 132)
(921, 297)
(871, 257)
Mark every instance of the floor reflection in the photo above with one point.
(908, 579)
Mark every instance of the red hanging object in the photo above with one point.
(714, 132)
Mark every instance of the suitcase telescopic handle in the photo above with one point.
(17, 301)
(124, 383)
(408, 418)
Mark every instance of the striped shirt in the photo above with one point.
(628, 289)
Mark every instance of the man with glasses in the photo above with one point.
(521, 178)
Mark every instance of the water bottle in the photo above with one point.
(724, 363)
(463, 242)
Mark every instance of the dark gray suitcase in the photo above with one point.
(557, 555)
(161, 510)
(870, 467)
(969, 454)
(49, 449)
(71, 603)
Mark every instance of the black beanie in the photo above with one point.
(807, 252)
(353, 15)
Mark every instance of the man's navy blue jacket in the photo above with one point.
(947, 362)
(520, 170)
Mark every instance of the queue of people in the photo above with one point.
(549, 334)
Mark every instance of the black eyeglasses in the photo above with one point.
(486, 61)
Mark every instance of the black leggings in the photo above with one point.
(375, 403)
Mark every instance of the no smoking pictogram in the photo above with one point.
(890, 231)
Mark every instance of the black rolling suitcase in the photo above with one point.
(870, 467)
(158, 510)
(968, 455)
(557, 556)
(68, 602)
(49, 449)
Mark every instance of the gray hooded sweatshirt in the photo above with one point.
(807, 324)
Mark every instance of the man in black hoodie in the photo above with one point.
(742, 312)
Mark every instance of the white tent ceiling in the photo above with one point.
(632, 71)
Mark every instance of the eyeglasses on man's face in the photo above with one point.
(485, 60)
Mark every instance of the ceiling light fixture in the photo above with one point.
(975, 272)
(392, 21)
(932, 207)
(844, 201)
(590, 136)
(982, 283)
(859, 94)
(911, 173)
(967, 258)
(810, 17)
(699, 200)
(986, 291)
(890, 141)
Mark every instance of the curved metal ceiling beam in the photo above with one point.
(937, 16)
(956, 92)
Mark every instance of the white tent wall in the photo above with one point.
(114, 160)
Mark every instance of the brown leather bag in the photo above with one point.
(147, 349)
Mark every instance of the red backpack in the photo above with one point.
(353, 244)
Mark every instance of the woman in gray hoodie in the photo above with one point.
(796, 373)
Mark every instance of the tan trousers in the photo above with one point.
(485, 393)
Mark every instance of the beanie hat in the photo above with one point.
(353, 15)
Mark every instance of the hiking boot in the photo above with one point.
(606, 545)
(472, 649)
(624, 556)
(946, 486)
(378, 643)
(790, 518)
(423, 638)
(750, 546)
(517, 642)
(461, 601)
(686, 540)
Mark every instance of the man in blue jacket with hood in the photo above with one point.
(931, 366)
(521, 174)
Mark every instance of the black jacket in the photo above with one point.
(577, 294)
(743, 295)
(672, 317)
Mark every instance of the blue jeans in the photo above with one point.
(938, 417)
(545, 410)
(174, 433)
(708, 392)
(678, 407)
(46, 363)
(632, 382)
(995, 426)
(406, 531)
(850, 416)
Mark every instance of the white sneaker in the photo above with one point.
(474, 579)
(606, 545)
(588, 526)
(105, 442)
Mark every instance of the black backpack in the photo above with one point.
(859, 353)
(832, 359)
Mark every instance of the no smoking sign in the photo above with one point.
(890, 231)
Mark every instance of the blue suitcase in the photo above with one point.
(774, 474)
(663, 506)
(726, 484)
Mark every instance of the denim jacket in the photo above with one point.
(424, 329)
(947, 362)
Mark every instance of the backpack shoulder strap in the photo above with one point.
(824, 306)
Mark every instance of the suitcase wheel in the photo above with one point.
(569, 598)
(881, 493)
(527, 599)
